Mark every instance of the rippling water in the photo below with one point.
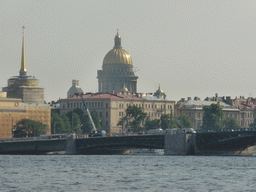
(126, 173)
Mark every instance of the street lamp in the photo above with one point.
(54, 126)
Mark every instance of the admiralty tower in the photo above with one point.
(117, 71)
(23, 86)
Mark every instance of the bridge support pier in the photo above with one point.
(71, 146)
(180, 144)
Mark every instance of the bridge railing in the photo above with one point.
(226, 130)
(28, 139)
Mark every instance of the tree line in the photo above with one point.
(77, 121)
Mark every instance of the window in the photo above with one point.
(63, 106)
(106, 105)
(101, 104)
(120, 105)
(98, 104)
(148, 105)
(95, 104)
(152, 106)
(92, 104)
(155, 106)
(71, 105)
(106, 114)
(89, 104)
(120, 114)
(100, 114)
(80, 105)
(139, 105)
(68, 105)
(106, 122)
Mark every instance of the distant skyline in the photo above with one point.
(191, 48)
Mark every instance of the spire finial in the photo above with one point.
(117, 41)
(23, 70)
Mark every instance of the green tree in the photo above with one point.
(29, 128)
(76, 124)
(184, 121)
(212, 117)
(168, 121)
(153, 124)
(165, 121)
(124, 123)
(67, 124)
(137, 116)
(57, 124)
(96, 120)
(230, 123)
(86, 123)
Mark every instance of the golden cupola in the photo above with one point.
(117, 55)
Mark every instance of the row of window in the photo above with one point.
(200, 115)
(248, 115)
(80, 105)
(152, 114)
(121, 105)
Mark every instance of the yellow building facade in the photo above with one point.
(13, 110)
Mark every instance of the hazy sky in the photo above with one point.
(192, 48)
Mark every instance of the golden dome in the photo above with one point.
(159, 90)
(117, 55)
(124, 89)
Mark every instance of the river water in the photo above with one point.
(127, 173)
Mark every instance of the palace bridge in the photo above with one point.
(202, 141)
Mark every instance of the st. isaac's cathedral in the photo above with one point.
(117, 73)
(117, 90)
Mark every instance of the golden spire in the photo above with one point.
(23, 70)
(159, 89)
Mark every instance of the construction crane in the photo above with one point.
(94, 132)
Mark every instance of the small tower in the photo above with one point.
(74, 89)
(159, 93)
(124, 90)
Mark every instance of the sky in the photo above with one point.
(191, 48)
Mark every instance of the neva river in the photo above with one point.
(126, 173)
